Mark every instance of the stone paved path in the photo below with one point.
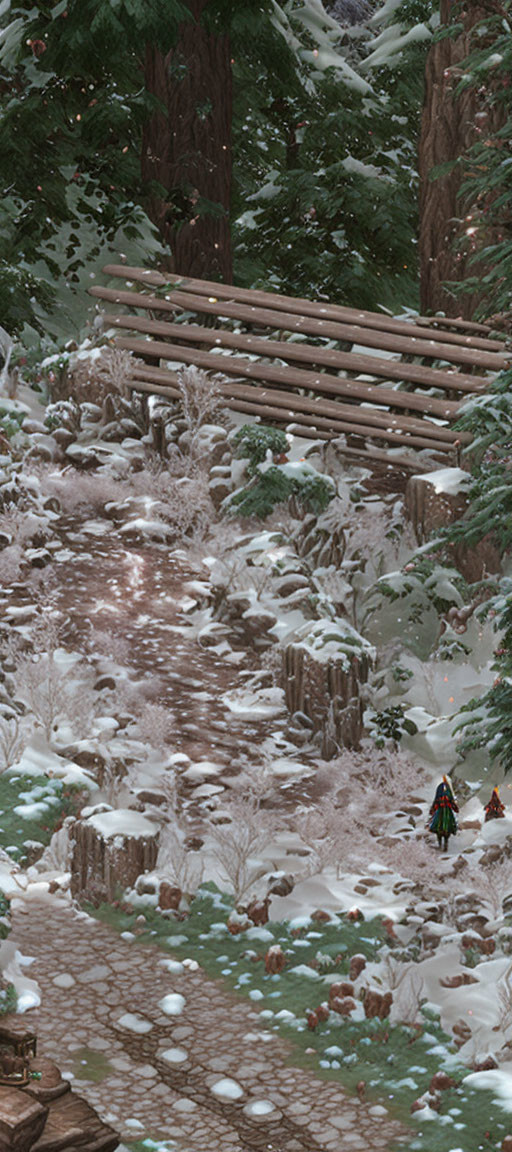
(159, 1081)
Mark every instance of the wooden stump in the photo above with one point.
(434, 500)
(328, 692)
(111, 849)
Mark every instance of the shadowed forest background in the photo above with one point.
(354, 151)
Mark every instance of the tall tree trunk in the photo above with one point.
(187, 149)
(450, 126)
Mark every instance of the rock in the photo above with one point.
(377, 1004)
(458, 981)
(64, 437)
(355, 914)
(169, 896)
(486, 947)
(39, 557)
(105, 683)
(390, 928)
(356, 966)
(220, 485)
(291, 582)
(343, 1005)
(312, 1020)
(323, 1011)
(486, 1066)
(320, 917)
(346, 989)
(461, 1033)
(31, 426)
(441, 1082)
(275, 959)
(361, 1090)
(418, 1104)
(459, 864)
(468, 824)
(237, 922)
(257, 621)
(506, 1144)
(491, 855)
(257, 911)
(156, 799)
(147, 887)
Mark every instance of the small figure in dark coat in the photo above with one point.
(495, 809)
(442, 813)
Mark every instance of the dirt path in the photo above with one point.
(158, 1081)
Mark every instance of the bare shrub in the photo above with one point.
(45, 687)
(11, 564)
(100, 373)
(101, 641)
(155, 726)
(408, 993)
(236, 846)
(338, 836)
(176, 863)
(202, 400)
(179, 494)
(378, 772)
(88, 490)
(505, 1000)
(12, 742)
(415, 860)
(491, 884)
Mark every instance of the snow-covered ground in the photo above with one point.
(143, 662)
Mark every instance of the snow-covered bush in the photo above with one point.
(275, 486)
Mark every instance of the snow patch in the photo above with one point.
(172, 1004)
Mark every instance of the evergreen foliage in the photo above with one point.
(489, 419)
(72, 107)
(486, 186)
(484, 722)
(255, 441)
(324, 149)
(329, 164)
(274, 486)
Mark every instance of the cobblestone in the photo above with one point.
(125, 1076)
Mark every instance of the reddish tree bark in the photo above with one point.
(187, 149)
(450, 126)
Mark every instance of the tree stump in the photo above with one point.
(435, 499)
(111, 849)
(328, 692)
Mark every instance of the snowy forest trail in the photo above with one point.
(138, 595)
(150, 1074)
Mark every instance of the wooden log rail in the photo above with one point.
(409, 395)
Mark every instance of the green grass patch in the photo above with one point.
(32, 808)
(396, 1063)
(91, 1065)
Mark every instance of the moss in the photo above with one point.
(58, 801)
